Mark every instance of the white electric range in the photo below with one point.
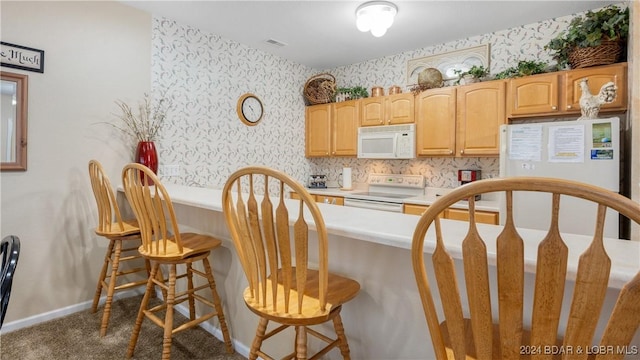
(386, 192)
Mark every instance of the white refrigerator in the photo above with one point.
(582, 150)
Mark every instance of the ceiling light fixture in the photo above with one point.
(375, 16)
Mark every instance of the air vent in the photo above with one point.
(276, 42)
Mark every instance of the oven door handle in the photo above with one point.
(374, 205)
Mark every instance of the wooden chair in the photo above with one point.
(9, 253)
(118, 231)
(164, 244)
(275, 258)
(475, 335)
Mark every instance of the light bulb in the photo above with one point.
(376, 16)
(363, 22)
(378, 31)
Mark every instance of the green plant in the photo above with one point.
(477, 72)
(524, 68)
(608, 23)
(356, 92)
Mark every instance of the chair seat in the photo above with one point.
(130, 228)
(192, 243)
(340, 290)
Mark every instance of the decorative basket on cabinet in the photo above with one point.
(608, 52)
(320, 89)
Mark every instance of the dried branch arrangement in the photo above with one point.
(146, 123)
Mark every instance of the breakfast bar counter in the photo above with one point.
(385, 321)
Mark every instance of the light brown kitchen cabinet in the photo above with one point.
(559, 93)
(334, 200)
(536, 94)
(597, 76)
(344, 128)
(461, 121)
(436, 122)
(480, 110)
(483, 217)
(332, 129)
(318, 130)
(388, 110)
(296, 196)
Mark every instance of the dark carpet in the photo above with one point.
(77, 336)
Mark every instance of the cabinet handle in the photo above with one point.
(381, 121)
(333, 152)
(327, 153)
(450, 152)
(554, 108)
(461, 151)
(568, 106)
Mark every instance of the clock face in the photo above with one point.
(250, 109)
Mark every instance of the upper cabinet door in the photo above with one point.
(344, 128)
(530, 95)
(436, 122)
(400, 109)
(373, 111)
(597, 77)
(318, 130)
(480, 112)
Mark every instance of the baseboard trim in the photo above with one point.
(58, 313)
(8, 327)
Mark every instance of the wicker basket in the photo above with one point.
(608, 52)
(320, 89)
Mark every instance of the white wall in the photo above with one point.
(95, 53)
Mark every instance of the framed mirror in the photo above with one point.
(13, 121)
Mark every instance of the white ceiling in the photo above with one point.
(323, 35)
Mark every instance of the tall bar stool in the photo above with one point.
(164, 244)
(123, 236)
(271, 238)
(464, 324)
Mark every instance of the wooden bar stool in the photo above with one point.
(480, 332)
(274, 252)
(124, 239)
(164, 244)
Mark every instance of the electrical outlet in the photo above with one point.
(171, 170)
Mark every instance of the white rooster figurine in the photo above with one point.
(590, 104)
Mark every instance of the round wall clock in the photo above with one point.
(250, 109)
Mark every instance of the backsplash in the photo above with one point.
(438, 172)
(205, 75)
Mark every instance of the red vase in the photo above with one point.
(146, 155)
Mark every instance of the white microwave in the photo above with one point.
(387, 142)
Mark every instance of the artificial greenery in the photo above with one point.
(477, 72)
(524, 68)
(608, 23)
(356, 92)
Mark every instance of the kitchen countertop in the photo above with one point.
(431, 194)
(396, 230)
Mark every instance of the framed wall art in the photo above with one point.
(21, 57)
(448, 63)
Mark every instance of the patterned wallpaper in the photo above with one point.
(205, 74)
